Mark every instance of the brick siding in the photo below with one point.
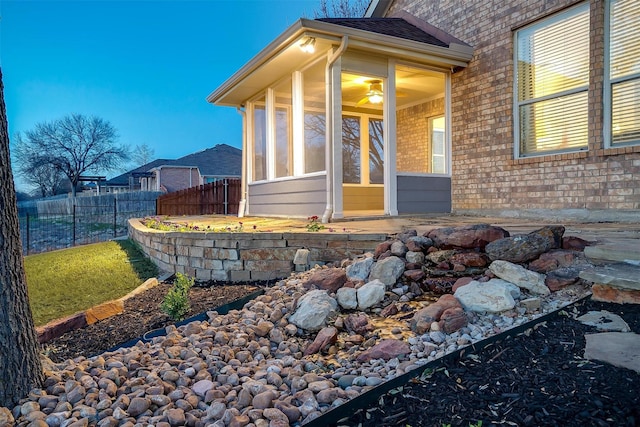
(485, 174)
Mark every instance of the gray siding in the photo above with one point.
(301, 197)
(424, 194)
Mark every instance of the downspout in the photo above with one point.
(243, 179)
(333, 57)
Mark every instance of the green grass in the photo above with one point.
(70, 280)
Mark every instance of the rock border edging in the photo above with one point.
(58, 327)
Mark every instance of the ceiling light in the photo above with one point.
(309, 45)
(375, 92)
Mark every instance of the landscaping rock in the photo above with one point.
(561, 278)
(325, 338)
(347, 298)
(467, 237)
(453, 319)
(360, 268)
(388, 270)
(520, 248)
(493, 296)
(370, 294)
(385, 349)
(313, 309)
(398, 248)
(520, 276)
(330, 279)
(418, 243)
(358, 324)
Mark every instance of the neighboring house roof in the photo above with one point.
(395, 27)
(220, 160)
(123, 180)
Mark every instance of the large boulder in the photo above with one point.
(520, 276)
(387, 270)
(493, 296)
(330, 279)
(466, 237)
(313, 310)
(347, 298)
(370, 294)
(419, 243)
(360, 268)
(526, 247)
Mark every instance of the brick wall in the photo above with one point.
(485, 175)
(412, 135)
(243, 257)
(174, 179)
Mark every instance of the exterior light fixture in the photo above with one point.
(309, 45)
(375, 92)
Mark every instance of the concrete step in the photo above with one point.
(621, 251)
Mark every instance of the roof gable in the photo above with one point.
(124, 178)
(395, 27)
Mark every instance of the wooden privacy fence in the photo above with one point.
(220, 197)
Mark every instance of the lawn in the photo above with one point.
(66, 281)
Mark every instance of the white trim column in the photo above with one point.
(389, 129)
(297, 101)
(336, 138)
(271, 134)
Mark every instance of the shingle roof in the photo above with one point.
(395, 27)
(220, 160)
(124, 178)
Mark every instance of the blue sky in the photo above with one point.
(145, 66)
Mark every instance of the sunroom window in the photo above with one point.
(623, 88)
(315, 127)
(552, 78)
(259, 140)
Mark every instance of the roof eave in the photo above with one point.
(456, 55)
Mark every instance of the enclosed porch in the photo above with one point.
(347, 117)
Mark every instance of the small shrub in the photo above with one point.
(176, 302)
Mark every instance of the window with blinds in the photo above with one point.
(552, 80)
(624, 73)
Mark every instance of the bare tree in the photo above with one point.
(341, 9)
(20, 366)
(45, 177)
(73, 145)
(142, 154)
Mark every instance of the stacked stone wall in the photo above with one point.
(244, 257)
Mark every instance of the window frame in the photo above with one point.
(517, 104)
(609, 83)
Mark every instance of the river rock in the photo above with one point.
(313, 309)
(494, 296)
(360, 268)
(520, 276)
(466, 237)
(388, 270)
(330, 279)
(370, 294)
(385, 349)
(176, 417)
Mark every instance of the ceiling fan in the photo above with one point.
(374, 95)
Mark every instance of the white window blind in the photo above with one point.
(552, 74)
(624, 71)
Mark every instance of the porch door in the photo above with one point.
(363, 163)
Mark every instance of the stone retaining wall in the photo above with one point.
(243, 257)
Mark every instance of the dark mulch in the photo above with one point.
(141, 314)
(535, 379)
